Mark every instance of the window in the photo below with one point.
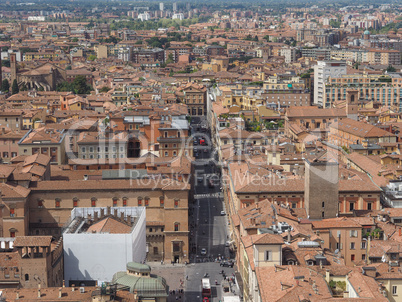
(323, 204)
(394, 290)
(115, 202)
(352, 245)
(12, 234)
(363, 244)
(353, 233)
(176, 227)
(91, 149)
(75, 202)
(351, 206)
(124, 202)
(26, 277)
(140, 201)
(155, 250)
(363, 256)
(146, 201)
(352, 257)
(369, 206)
(83, 149)
(57, 203)
(40, 204)
(12, 212)
(162, 201)
(267, 256)
(176, 203)
(150, 230)
(322, 214)
(93, 202)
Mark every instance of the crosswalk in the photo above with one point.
(219, 194)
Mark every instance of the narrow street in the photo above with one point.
(208, 222)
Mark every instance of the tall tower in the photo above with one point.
(13, 67)
(352, 97)
(175, 7)
(321, 191)
(161, 6)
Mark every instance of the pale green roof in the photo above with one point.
(138, 267)
(146, 287)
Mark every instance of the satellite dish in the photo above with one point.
(336, 251)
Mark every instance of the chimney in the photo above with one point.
(60, 292)
(64, 283)
(327, 276)
(122, 216)
(95, 216)
(129, 219)
(39, 290)
(115, 213)
(102, 213)
(18, 295)
(108, 211)
(400, 231)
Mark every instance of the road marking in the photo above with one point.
(208, 195)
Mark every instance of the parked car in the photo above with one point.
(226, 264)
(204, 252)
(223, 213)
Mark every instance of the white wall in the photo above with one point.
(98, 256)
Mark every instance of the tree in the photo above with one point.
(390, 68)
(170, 59)
(5, 86)
(104, 89)
(15, 89)
(74, 40)
(80, 85)
(92, 57)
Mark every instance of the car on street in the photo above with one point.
(200, 178)
(227, 243)
(195, 143)
(203, 251)
(205, 299)
(226, 264)
(223, 213)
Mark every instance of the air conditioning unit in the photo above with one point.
(82, 290)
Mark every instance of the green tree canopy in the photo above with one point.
(15, 89)
(5, 86)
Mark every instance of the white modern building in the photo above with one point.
(322, 71)
(289, 54)
(144, 16)
(179, 16)
(98, 242)
(161, 6)
(174, 6)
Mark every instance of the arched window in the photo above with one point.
(146, 201)
(176, 226)
(26, 277)
(115, 201)
(140, 201)
(93, 202)
(162, 201)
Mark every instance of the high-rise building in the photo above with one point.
(161, 6)
(188, 6)
(322, 71)
(175, 7)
